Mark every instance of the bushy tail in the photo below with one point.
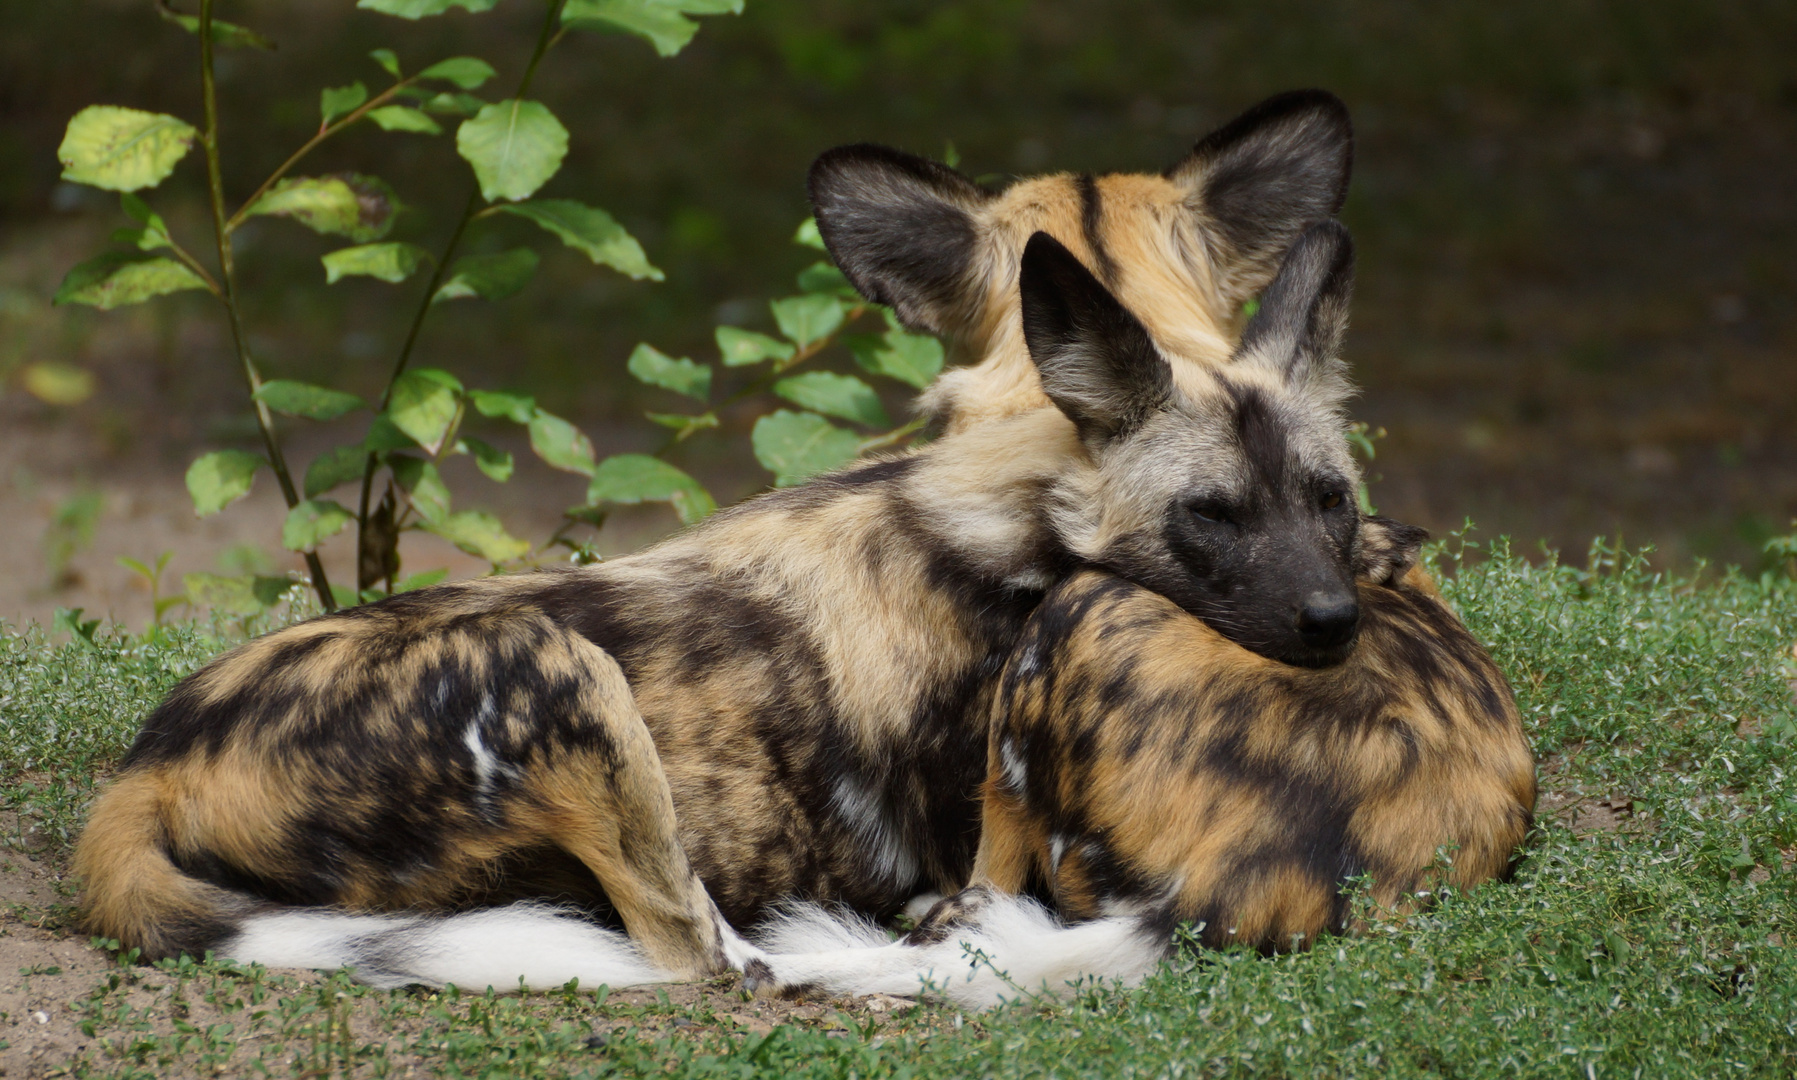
(521, 946)
(135, 894)
(994, 948)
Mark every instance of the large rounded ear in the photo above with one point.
(1385, 550)
(1097, 362)
(901, 228)
(1303, 314)
(1261, 179)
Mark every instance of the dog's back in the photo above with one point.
(1140, 757)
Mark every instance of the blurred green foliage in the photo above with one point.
(1539, 183)
(423, 414)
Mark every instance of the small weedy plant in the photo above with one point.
(423, 415)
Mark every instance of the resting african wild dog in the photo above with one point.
(788, 700)
(1146, 771)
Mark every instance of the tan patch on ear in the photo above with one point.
(1165, 275)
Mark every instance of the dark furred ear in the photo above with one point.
(1385, 550)
(1260, 179)
(1304, 312)
(1097, 362)
(900, 227)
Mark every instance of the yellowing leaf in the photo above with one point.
(117, 278)
(122, 149)
(392, 262)
(58, 384)
(346, 204)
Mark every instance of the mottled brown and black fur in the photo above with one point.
(791, 699)
(1147, 773)
(1141, 758)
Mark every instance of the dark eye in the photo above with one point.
(1331, 500)
(1213, 513)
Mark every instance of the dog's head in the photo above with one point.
(1230, 489)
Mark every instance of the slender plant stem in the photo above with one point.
(372, 462)
(228, 282)
(546, 39)
(324, 132)
(196, 266)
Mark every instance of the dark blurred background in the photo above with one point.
(1575, 222)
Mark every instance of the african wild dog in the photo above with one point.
(788, 700)
(1145, 770)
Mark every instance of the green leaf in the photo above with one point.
(423, 405)
(456, 104)
(914, 359)
(154, 233)
(489, 277)
(822, 277)
(313, 522)
(518, 408)
(424, 579)
(341, 100)
(346, 204)
(480, 534)
(225, 35)
(418, 9)
(592, 231)
(467, 72)
(561, 444)
(220, 478)
(404, 118)
(117, 278)
(389, 61)
(637, 478)
(423, 486)
(515, 147)
(291, 398)
(794, 446)
(392, 262)
(834, 395)
(739, 347)
(662, 23)
(496, 463)
(139, 211)
(231, 595)
(336, 466)
(123, 149)
(70, 619)
(650, 365)
(806, 319)
(141, 239)
(808, 236)
(682, 422)
(383, 436)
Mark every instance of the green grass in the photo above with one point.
(1658, 948)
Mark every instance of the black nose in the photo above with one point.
(1327, 620)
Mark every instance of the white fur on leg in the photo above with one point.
(1012, 948)
(544, 946)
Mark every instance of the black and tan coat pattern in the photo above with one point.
(1147, 773)
(1224, 727)
(791, 699)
